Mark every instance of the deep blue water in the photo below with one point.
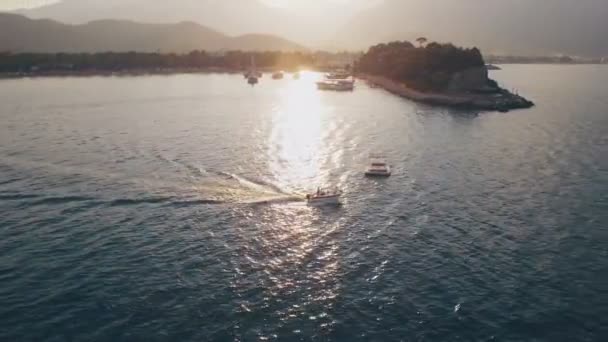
(168, 208)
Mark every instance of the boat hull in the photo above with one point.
(377, 174)
(335, 86)
(323, 201)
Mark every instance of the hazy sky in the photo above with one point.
(286, 4)
(318, 4)
(16, 4)
(308, 22)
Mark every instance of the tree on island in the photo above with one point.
(146, 61)
(423, 68)
(421, 41)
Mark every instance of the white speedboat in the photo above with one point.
(378, 167)
(324, 197)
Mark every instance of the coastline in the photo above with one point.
(150, 71)
(141, 72)
(502, 101)
(118, 73)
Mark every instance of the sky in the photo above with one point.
(308, 22)
(318, 4)
(7, 5)
(286, 4)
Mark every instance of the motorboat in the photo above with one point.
(324, 197)
(336, 85)
(277, 75)
(378, 167)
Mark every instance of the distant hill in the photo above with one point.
(228, 16)
(21, 34)
(233, 17)
(505, 27)
(521, 27)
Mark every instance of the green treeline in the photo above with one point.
(112, 61)
(427, 67)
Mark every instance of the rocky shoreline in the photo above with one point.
(501, 100)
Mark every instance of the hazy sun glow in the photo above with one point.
(297, 3)
(313, 4)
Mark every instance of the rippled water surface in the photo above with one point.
(168, 208)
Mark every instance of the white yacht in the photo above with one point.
(324, 197)
(378, 167)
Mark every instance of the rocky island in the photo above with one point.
(437, 74)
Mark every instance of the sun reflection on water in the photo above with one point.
(289, 260)
(289, 263)
(295, 143)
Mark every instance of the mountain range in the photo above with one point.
(521, 27)
(233, 17)
(524, 27)
(21, 34)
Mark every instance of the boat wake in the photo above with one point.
(199, 187)
(275, 200)
(254, 183)
(236, 189)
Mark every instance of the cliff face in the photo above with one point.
(469, 79)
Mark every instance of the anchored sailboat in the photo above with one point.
(253, 74)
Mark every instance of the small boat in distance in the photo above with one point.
(378, 167)
(324, 197)
(252, 75)
(336, 85)
(277, 75)
(337, 75)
